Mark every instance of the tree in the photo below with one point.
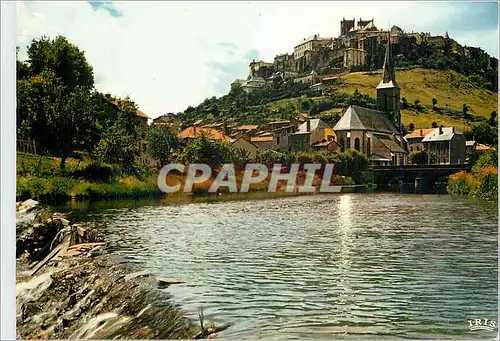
(117, 146)
(411, 127)
(434, 102)
(417, 103)
(485, 133)
(59, 120)
(434, 125)
(422, 157)
(352, 163)
(465, 109)
(207, 151)
(64, 59)
(161, 143)
(405, 103)
(492, 121)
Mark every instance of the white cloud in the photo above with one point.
(167, 55)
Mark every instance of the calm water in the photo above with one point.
(326, 266)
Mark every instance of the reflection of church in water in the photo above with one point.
(376, 133)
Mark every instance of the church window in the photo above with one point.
(356, 144)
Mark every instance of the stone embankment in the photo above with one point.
(69, 287)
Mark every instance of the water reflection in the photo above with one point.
(351, 266)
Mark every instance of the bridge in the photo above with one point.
(422, 177)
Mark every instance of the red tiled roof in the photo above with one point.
(247, 127)
(197, 132)
(483, 147)
(261, 139)
(417, 133)
(117, 102)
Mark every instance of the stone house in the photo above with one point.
(246, 145)
(447, 144)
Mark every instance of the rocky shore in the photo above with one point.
(69, 287)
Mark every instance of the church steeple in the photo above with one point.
(388, 75)
(388, 91)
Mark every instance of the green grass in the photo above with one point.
(40, 177)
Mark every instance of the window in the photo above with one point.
(341, 143)
(368, 146)
(356, 144)
(411, 148)
(348, 143)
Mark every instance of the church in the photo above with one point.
(376, 133)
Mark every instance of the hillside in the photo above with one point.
(284, 101)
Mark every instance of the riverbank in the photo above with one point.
(40, 178)
(68, 286)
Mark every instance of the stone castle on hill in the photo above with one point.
(356, 48)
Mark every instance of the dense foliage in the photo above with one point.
(422, 157)
(481, 182)
(58, 107)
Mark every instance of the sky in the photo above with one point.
(169, 55)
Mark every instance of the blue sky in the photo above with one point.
(168, 55)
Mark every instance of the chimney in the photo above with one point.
(440, 129)
(308, 125)
(421, 132)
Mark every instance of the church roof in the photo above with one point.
(391, 143)
(359, 118)
(388, 74)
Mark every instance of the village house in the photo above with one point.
(309, 133)
(248, 146)
(414, 139)
(264, 142)
(447, 144)
(376, 133)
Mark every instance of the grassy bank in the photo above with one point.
(40, 177)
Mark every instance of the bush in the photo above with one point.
(422, 157)
(482, 182)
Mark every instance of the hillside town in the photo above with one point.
(318, 61)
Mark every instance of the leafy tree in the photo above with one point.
(434, 103)
(404, 103)
(207, 151)
(422, 157)
(485, 133)
(465, 109)
(417, 103)
(434, 125)
(411, 127)
(161, 143)
(352, 163)
(64, 59)
(492, 119)
(117, 146)
(59, 120)
(487, 158)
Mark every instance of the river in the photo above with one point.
(319, 267)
